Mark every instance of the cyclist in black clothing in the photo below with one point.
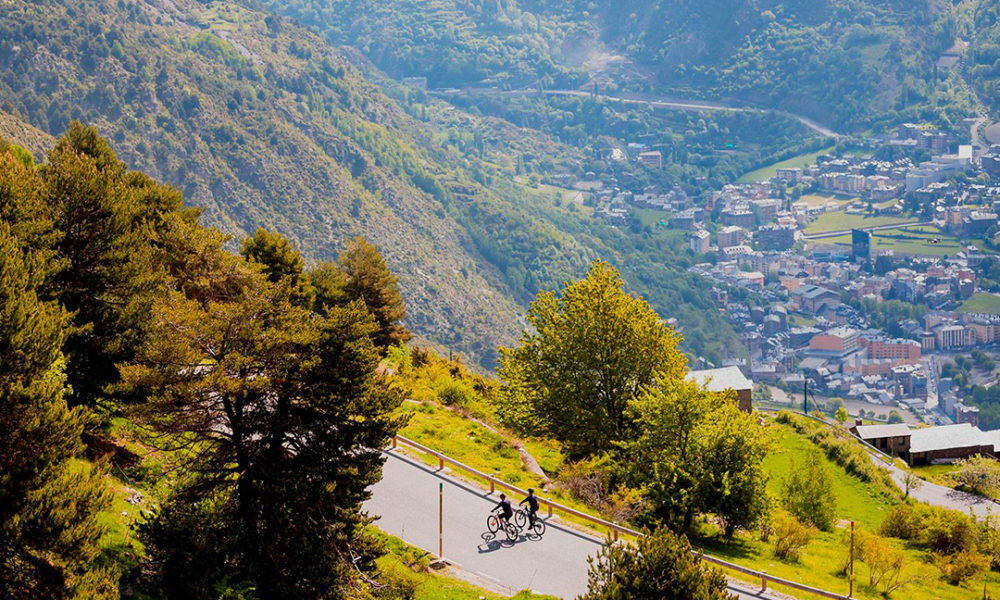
(504, 506)
(532, 501)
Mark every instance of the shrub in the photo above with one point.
(946, 531)
(960, 566)
(901, 522)
(452, 392)
(979, 475)
(884, 561)
(660, 566)
(790, 536)
(808, 493)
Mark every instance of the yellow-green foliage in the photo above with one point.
(425, 377)
(841, 448)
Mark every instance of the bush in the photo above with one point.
(884, 561)
(660, 566)
(902, 522)
(960, 566)
(452, 392)
(808, 493)
(979, 475)
(790, 536)
(946, 531)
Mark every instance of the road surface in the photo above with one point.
(939, 495)
(407, 501)
(669, 103)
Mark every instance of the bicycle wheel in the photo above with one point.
(539, 527)
(520, 518)
(493, 524)
(512, 532)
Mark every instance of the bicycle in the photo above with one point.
(521, 520)
(494, 524)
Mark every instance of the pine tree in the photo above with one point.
(370, 280)
(48, 504)
(279, 260)
(109, 279)
(330, 283)
(283, 418)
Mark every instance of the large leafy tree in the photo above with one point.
(370, 280)
(659, 566)
(589, 354)
(283, 419)
(697, 452)
(49, 503)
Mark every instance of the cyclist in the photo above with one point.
(506, 512)
(532, 501)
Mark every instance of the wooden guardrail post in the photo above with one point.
(614, 528)
(393, 442)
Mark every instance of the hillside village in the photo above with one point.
(802, 260)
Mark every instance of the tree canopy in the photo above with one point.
(590, 352)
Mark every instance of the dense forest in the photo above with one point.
(253, 379)
(848, 63)
(260, 122)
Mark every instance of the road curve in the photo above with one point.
(669, 103)
(407, 502)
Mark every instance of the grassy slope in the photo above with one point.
(981, 302)
(826, 554)
(466, 441)
(909, 240)
(767, 172)
(838, 221)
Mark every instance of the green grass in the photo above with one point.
(802, 160)
(981, 302)
(409, 566)
(651, 217)
(917, 239)
(819, 199)
(839, 221)
(473, 444)
(823, 558)
(800, 320)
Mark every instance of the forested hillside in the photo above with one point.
(262, 123)
(839, 61)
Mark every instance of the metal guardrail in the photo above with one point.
(613, 527)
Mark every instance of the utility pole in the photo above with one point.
(850, 591)
(805, 395)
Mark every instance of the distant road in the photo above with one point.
(656, 102)
(407, 501)
(830, 234)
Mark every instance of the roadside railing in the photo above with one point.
(613, 528)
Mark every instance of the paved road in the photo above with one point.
(657, 102)
(407, 500)
(939, 495)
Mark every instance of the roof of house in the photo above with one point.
(944, 437)
(717, 380)
(872, 432)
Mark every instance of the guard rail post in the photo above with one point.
(763, 581)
